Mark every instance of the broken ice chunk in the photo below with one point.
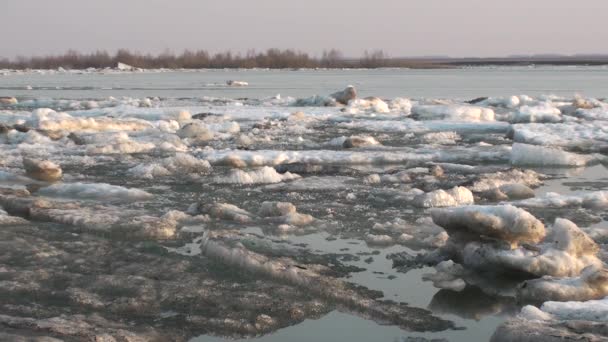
(505, 222)
(43, 170)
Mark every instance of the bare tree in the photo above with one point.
(271, 58)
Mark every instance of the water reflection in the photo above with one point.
(568, 181)
(472, 303)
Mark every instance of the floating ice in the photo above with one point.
(384, 126)
(453, 112)
(356, 188)
(593, 310)
(592, 200)
(379, 240)
(555, 321)
(180, 164)
(407, 125)
(400, 105)
(509, 192)
(11, 178)
(456, 196)
(315, 101)
(8, 100)
(499, 179)
(224, 211)
(6, 219)
(44, 170)
(271, 209)
(125, 147)
(28, 138)
(448, 276)
(346, 95)
(90, 124)
(542, 113)
(593, 114)
(399, 177)
(284, 213)
(310, 278)
(504, 222)
(591, 284)
(232, 83)
(95, 191)
(264, 175)
(315, 183)
(196, 131)
(522, 154)
(359, 141)
(584, 136)
(368, 104)
(297, 219)
(124, 67)
(106, 219)
(420, 234)
(44, 114)
(316, 157)
(582, 103)
(99, 138)
(562, 254)
(50, 120)
(441, 138)
(506, 102)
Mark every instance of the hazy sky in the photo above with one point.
(400, 27)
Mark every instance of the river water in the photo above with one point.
(344, 203)
(389, 83)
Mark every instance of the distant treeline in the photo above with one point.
(272, 58)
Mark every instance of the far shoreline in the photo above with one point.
(452, 66)
(276, 59)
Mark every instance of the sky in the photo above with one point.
(401, 28)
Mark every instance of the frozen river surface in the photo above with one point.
(458, 205)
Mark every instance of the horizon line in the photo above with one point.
(240, 53)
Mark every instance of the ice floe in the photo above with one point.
(44, 170)
(264, 175)
(180, 164)
(453, 112)
(8, 100)
(346, 95)
(540, 113)
(224, 211)
(591, 200)
(552, 257)
(359, 141)
(523, 154)
(561, 261)
(583, 136)
(506, 222)
(232, 83)
(367, 105)
(6, 219)
(591, 284)
(456, 196)
(448, 276)
(557, 321)
(94, 191)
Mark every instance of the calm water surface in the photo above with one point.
(453, 83)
